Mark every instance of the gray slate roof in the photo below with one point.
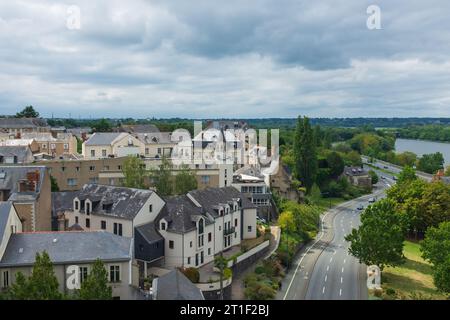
(180, 214)
(22, 123)
(23, 153)
(66, 247)
(5, 208)
(62, 201)
(10, 175)
(149, 232)
(175, 286)
(154, 137)
(125, 202)
(103, 138)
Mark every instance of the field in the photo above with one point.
(412, 280)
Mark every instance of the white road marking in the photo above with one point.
(341, 279)
(326, 277)
(345, 260)
(328, 268)
(323, 290)
(342, 269)
(331, 259)
(340, 292)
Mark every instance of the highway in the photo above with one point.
(325, 270)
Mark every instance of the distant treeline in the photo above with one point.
(427, 132)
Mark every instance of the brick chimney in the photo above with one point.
(83, 136)
(33, 180)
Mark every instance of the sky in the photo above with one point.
(231, 59)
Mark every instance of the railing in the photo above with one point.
(229, 231)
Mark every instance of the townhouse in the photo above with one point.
(199, 225)
(53, 144)
(29, 188)
(18, 126)
(16, 155)
(111, 144)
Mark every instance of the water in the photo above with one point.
(421, 147)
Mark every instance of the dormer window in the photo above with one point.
(88, 207)
(163, 226)
(201, 226)
(77, 205)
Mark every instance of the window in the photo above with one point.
(117, 229)
(92, 168)
(5, 279)
(190, 244)
(163, 226)
(88, 223)
(249, 228)
(76, 220)
(77, 169)
(93, 180)
(103, 225)
(147, 151)
(150, 208)
(106, 168)
(189, 260)
(88, 208)
(92, 153)
(200, 241)
(201, 226)
(201, 257)
(209, 251)
(77, 205)
(235, 235)
(235, 222)
(83, 274)
(63, 169)
(220, 228)
(71, 182)
(103, 153)
(119, 167)
(114, 274)
(53, 146)
(205, 179)
(159, 150)
(171, 244)
(66, 146)
(209, 237)
(44, 146)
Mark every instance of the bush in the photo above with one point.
(192, 274)
(227, 273)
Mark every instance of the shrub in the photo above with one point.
(227, 273)
(192, 274)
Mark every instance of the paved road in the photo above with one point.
(325, 270)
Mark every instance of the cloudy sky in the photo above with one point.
(234, 58)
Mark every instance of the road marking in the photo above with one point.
(345, 260)
(326, 277)
(328, 268)
(342, 269)
(341, 279)
(331, 259)
(340, 292)
(323, 290)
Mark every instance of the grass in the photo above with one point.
(324, 203)
(411, 279)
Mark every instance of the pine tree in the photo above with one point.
(95, 286)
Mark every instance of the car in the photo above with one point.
(386, 167)
(372, 200)
(383, 177)
(360, 207)
(394, 177)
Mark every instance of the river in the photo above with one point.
(421, 147)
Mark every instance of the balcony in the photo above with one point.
(227, 232)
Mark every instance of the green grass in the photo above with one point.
(414, 277)
(324, 203)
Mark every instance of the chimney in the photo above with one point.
(33, 180)
(61, 222)
(23, 186)
(83, 136)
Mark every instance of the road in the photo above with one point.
(324, 270)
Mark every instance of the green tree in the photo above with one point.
(286, 221)
(336, 164)
(447, 171)
(185, 180)
(134, 172)
(407, 175)
(353, 158)
(41, 285)
(95, 286)
(431, 163)
(54, 184)
(374, 176)
(436, 249)
(379, 239)
(305, 153)
(28, 112)
(162, 178)
(102, 126)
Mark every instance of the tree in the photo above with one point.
(134, 172)
(379, 239)
(286, 221)
(431, 163)
(305, 153)
(95, 286)
(436, 249)
(407, 175)
(336, 164)
(185, 180)
(28, 112)
(374, 176)
(54, 184)
(102, 126)
(353, 158)
(41, 285)
(447, 171)
(162, 178)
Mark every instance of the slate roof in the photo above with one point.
(210, 197)
(22, 123)
(125, 202)
(5, 208)
(175, 286)
(62, 201)
(181, 214)
(104, 138)
(23, 153)
(10, 175)
(66, 247)
(149, 232)
(154, 137)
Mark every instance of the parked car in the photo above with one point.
(394, 177)
(372, 200)
(360, 207)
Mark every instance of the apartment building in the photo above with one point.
(29, 189)
(202, 223)
(53, 144)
